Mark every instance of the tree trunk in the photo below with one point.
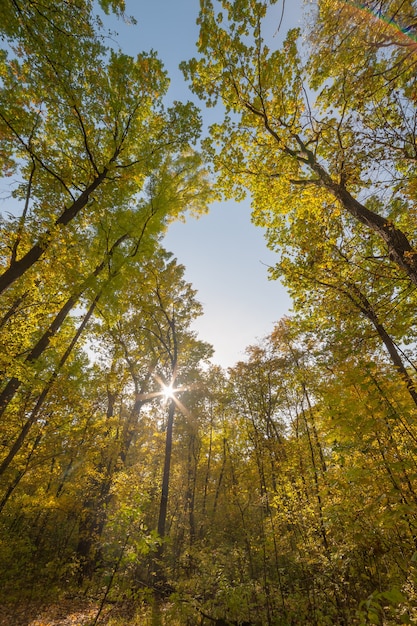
(14, 383)
(18, 267)
(33, 416)
(163, 507)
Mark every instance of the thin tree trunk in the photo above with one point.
(366, 308)
(34, 414)
(14, 383)
(360, 301)
(163, 507)
(18, 267)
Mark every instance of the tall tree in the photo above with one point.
(281, 148)
(149, 343)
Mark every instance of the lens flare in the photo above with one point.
(168, 392)
(407, 32)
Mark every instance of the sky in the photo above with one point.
(224, 254)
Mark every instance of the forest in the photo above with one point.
(141, 484)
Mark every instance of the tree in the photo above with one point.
(287, 152)
(103, 168)
(148, 340)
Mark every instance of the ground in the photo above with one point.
(68, 612)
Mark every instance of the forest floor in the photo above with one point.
(72, 612)
(81, 611)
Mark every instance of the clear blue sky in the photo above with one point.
(224, 254)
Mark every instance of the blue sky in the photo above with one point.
(224, 254)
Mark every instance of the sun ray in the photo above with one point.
(181, 407)
(168, 392)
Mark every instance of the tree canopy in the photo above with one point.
(283, 490)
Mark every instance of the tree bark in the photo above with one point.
(367, 310)
(14, 383)
(18, 267)
(400, 249)
(163, 507)
(33, 416)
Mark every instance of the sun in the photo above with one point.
(168, 392)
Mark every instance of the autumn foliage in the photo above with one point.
(282, 491)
